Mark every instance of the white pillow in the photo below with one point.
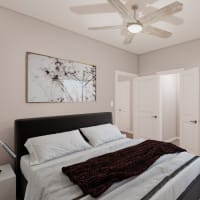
(101, 134)
(52, 146)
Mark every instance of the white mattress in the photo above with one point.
(46, 181)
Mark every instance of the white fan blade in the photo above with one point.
(93, 9)
(123, 11)
(151, 1)
(162, 13)
(106, 27)
(156, 32)
(171, 19)
(128, 38)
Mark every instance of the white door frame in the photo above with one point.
(117, 74)
(173, 71)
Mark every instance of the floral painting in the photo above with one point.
(58, 80)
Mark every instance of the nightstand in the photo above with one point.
(128, 134)
(7, 183)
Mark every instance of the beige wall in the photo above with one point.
(20, 34)
(184, 55)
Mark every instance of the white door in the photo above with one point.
(123, 105)
(147, 122)
(189, 110)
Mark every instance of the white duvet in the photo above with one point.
(47, 182)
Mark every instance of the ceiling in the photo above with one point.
(58, 12)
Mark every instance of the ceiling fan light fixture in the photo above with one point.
(135, 27)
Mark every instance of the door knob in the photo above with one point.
(155, 116)
(194, 121)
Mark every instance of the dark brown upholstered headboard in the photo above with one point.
(33, 127)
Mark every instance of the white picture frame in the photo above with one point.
(56, 80)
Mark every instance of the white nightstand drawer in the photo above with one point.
(7, 183)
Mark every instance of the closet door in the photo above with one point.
(189, 110)
(147, 123)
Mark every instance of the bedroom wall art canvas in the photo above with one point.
(58, 80)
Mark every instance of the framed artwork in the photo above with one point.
(52, 79)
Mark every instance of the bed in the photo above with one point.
(28, 128)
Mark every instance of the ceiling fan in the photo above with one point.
(132, 24)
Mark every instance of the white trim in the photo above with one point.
(160, 109)
(173, 71)
(117, 73)
(148, 76)
(172, 139)
(135, 107)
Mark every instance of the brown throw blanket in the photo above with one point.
(96, 175)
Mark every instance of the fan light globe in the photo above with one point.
(135, 28)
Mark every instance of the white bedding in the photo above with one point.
(46, 181)
(25, 166)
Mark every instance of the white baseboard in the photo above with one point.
(172, 139)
